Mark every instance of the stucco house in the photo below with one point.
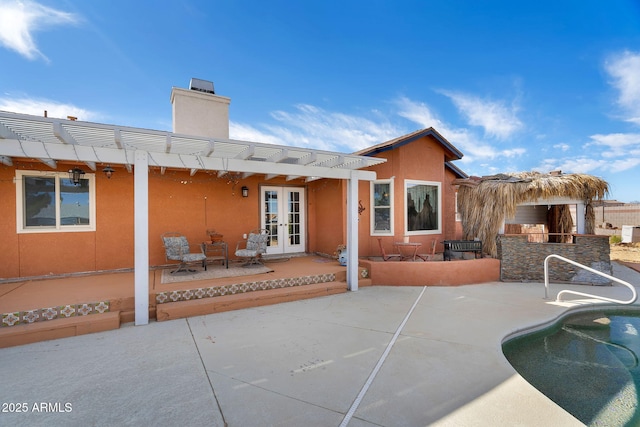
(135, 184)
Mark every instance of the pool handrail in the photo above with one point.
(584, 267)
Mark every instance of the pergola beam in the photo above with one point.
(66, 152)
(278, 157)
(62, 134)
(247, 152)
(6, 133)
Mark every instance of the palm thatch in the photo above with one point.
(485, 202)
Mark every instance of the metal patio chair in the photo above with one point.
(251, 250)
(176, 248)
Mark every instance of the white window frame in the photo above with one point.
(458, 215)
(58, 228)
(372, 208)
(407, 183)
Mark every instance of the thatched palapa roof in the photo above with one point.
(485, 202)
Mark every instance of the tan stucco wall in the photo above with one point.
(193, 204)
(422, 160)
(177, 202)
(327, 230)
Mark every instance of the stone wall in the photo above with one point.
(521, 261)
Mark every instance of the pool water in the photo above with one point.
(587, 363)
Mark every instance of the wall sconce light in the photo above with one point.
(75, 175)
(245, 191)
(108, 171)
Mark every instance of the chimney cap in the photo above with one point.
(201, 85)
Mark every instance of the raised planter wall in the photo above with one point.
(521, 261)
(436, 273)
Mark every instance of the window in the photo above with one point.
(382, 208)
(423, 211)
(51, 202)
(458, 216)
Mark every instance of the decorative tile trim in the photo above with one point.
(239, 288)
(51, 313)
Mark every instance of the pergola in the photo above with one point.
(50, 140)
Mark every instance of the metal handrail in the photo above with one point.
(584, 267)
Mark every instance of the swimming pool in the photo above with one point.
(588, 363)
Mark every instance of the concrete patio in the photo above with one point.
(381, 356)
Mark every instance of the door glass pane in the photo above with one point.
(294, 217)
(271, 216)
(39, 206)
(74, 202)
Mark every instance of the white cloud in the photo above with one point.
(311, 126)
(56, 109)
(621, 165)
(419, 112)
(19, 20)
(562, 147)
(624, 68)
(617, 140)
(471, 146)
(616, 144)
(571, 165)
(497, 119)
(245, 132)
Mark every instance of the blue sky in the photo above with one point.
(516, 86)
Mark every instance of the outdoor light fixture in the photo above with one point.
(108, 171)
(75, 175)
(245, 191)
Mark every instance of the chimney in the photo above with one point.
(199, 111)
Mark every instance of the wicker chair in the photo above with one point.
(251, 250)
(176, 248)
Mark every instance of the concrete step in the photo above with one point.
(198, 307)
(58, 328)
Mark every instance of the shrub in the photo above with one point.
(615, 239)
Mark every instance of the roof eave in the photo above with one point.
(451, 152)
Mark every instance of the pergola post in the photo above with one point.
(141, 237)
(580, 218)
(352, 232)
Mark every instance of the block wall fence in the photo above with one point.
(521, 261)
(618, 216)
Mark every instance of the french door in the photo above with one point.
(283, 214)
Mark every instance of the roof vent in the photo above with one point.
(201, 86)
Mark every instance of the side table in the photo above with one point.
(216, 251)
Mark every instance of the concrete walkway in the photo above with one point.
(381, 356)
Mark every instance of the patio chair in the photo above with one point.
(431, 254)
(176, 248)
(251, 250)
(385, 256)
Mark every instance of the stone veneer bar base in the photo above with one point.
(522, 261)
